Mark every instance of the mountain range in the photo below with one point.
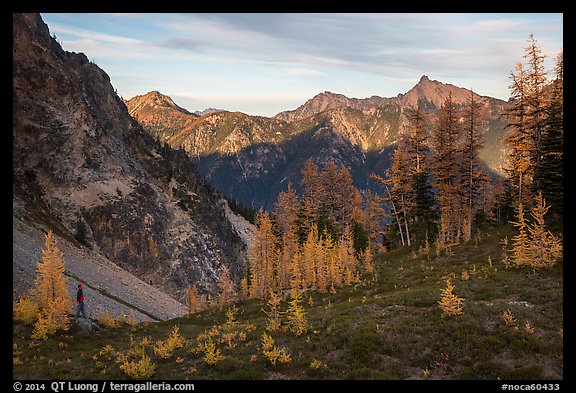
(252, 158)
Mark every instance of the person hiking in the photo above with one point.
(80, 302)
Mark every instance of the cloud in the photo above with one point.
(185, 43)
(93, 35)
(298, 71)
(307, 51)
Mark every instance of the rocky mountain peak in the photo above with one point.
(327, 101)
(431, 94)
(156, 99)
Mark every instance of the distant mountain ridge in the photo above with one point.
(326, 101)
(429, 94)
(207, 110)
(253, 157)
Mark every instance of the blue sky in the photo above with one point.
(261, 64)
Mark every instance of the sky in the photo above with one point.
(265, 63)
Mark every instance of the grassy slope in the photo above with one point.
(389, 327)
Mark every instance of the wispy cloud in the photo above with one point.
(303, 71)
(299, 53)
(93, 35)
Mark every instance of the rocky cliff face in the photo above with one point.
(83, 167)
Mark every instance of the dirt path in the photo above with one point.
(105, 284)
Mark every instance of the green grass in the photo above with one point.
(387, 327)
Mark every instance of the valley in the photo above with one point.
(414, 237)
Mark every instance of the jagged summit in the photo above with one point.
(155, 99)
(431, 94)
(208, 111)
(328, 100)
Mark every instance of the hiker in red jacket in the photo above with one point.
(80, 302)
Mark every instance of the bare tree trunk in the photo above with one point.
(405, 220)
(396, 215)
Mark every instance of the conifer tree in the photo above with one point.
(424, 212)
(548, 172)
(227, 290)
(263, 257)
(537, 80)
(330, 260)
(401, 187)
(447, 172)
(51, 285)
(347, 199)
(274, 322)
(374, 216)
(286, 218)
(395, 212)
(193, 299)
(296, 316)
(311, 194)
(519, 139)
(320, 268)
(521, 251)
(450, 304)
(417, 137)
(244, 289)
(474, 175)
(408, 190)
(309, 258)
(544, 247)
(528, 123)
(330, 187)
(132, 321)
(296, 276)
(347, 256)
(367, 258)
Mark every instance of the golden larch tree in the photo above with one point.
(193, 299)
(545, 248)
(330, 256)
(367, 257)
(347, 202)
(227, 290)
(285, 220)
(347, 257)
(521, 250)
(51, 286)
(263, 256)
(296, 316)
(309, 257)
(244, 289)
(274, 322)
(450, 304)
(320, 266)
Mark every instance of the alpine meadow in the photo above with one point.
(417, 237)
